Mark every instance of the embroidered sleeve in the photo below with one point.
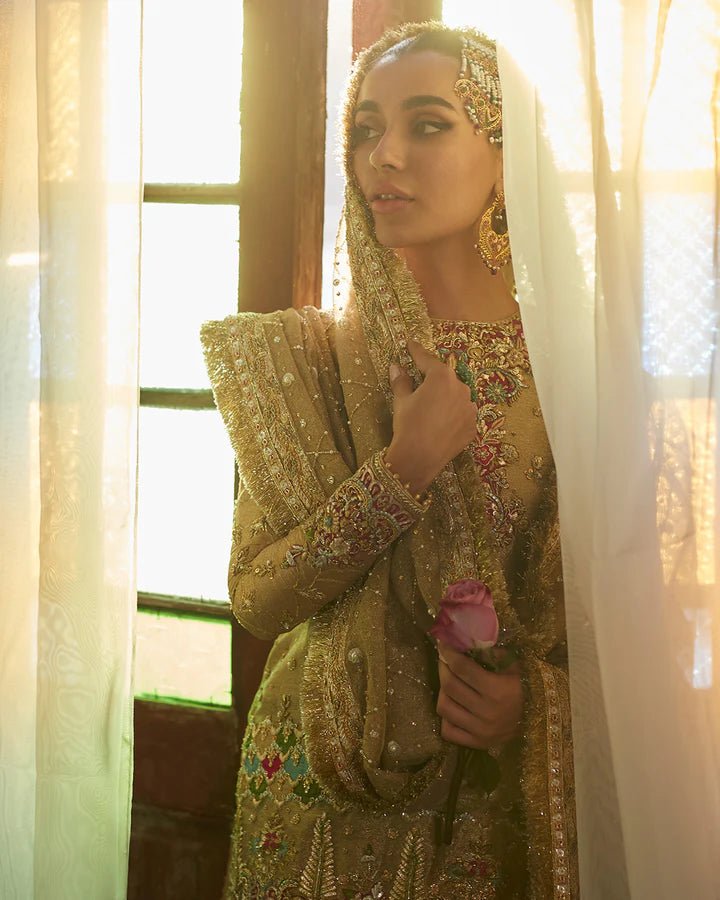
(275, 582)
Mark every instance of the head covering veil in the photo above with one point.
(306, 398)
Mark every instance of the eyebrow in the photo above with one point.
(409, 103)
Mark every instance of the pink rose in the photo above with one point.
(467, 619)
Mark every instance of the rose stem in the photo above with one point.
(454, 792)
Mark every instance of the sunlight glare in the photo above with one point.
(191, 91)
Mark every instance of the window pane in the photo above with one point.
(185, 500)
(192, 61)
(189, 274)
(182, 658)
(679, 339)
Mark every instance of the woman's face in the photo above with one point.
(412, 137)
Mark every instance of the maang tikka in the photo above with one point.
(478, 87)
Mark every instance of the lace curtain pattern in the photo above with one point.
(611, 176)
(70, 197)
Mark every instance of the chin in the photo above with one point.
(395, 240)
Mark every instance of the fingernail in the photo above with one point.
(395, 371)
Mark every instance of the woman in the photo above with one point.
(387, 451)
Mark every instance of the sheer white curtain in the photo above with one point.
(611, 173)
(70, 196)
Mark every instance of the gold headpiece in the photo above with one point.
(478, 87)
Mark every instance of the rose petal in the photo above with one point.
(467, 618)
(478, 625)
(446, 630)
(468, 590)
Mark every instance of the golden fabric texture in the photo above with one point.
(343, 775)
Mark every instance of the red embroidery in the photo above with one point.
(271, 765)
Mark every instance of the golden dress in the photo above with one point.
(343, 776)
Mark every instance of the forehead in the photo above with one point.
(392, 78)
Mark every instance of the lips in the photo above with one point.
(387, 188)
(387, 198)
(390, 206)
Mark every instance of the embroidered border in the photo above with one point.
(265, 396)
(548, 783)
(386, 319)
(329, 714)
(556, 788)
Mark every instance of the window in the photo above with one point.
(190, 263)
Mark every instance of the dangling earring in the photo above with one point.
(493, 242)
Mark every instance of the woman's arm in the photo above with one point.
(275, 582)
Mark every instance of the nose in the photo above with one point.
(387, 153)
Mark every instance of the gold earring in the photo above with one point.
(493, 242)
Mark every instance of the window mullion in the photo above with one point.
(191, 193)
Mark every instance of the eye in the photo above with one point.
(360, 133)
(438, 126)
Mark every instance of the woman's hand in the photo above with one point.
(432, 424)
(479, 709)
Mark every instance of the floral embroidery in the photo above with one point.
(361, 519)
(270, 842)
(534, 472)
(241, 561)
(497, 355)
(470, 874)
(265, 569)
(258, 526)
(293, 552)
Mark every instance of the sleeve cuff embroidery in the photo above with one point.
(364, 515)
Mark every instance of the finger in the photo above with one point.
(423, 359)
(448, 709)
(455, 735)
(400, 381)
(463, 666)
(480, 740)
(460, 692)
